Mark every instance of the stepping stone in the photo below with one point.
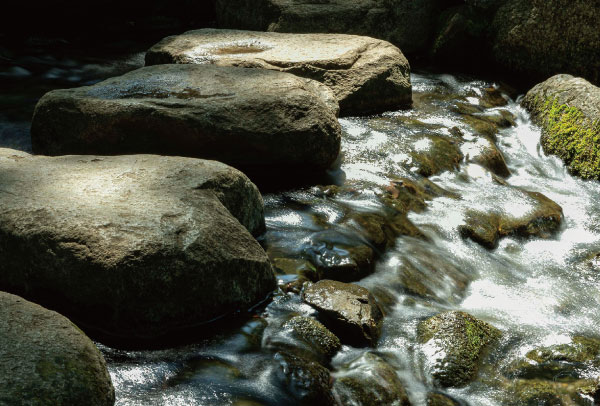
(366, 75)
(131, 247)
(349, 310)
(243, 117)
(46, 360)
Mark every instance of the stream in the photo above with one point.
(539, 291)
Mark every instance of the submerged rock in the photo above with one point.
(561, 362)
(304, 337)
(525, 392)
(131, 247)
(46, 360)
(455, 343)
(349, 310)
(542, 220)
(307, 381)
(369, 381)
(484, 152)
(426, 274)
(234, 115)
(568, 110)
(438, 399)
(340, 262)
(366, 75)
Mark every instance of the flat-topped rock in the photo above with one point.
(131, 247)
(238, 116)
(349, 310)
(366, 75)
(46, 360)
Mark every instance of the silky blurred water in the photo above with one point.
(536, 291)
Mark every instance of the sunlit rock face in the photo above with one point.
(568, 110)
(239, 116)
(46, 360)
(131, 247)
(366, 75)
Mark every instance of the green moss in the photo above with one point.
(573, 137)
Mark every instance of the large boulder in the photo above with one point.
(234, 115)
(568, 110)
(365, 74)
(540, 38)
(131, 247)
(455, 343)
(407, 23)
(46, 360)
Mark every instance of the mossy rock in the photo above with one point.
(456, 343)
(568, 110)
(370, 381)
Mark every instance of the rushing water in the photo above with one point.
(537, 291)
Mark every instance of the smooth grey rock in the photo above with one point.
(46, 360)
(131, 247)
(234, 115)
(366, 75)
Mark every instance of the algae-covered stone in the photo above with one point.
(244, 117)
(131, 247)
(568, 110)
(366, 75)
(454, 344)
(369, 381)
(46, 360)
(349, 310)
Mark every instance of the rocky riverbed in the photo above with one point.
(444, 259)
